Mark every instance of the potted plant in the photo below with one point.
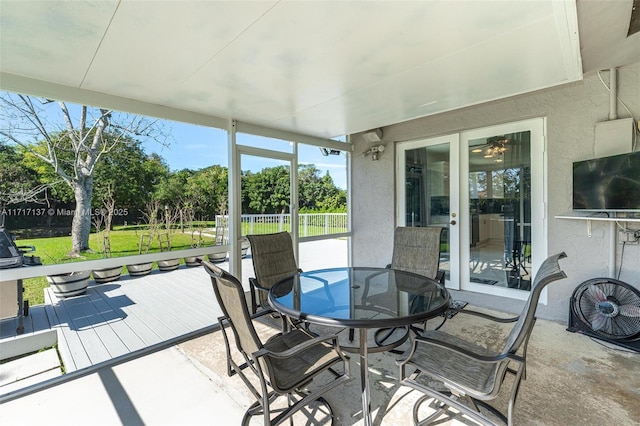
(217, 257)
(106, 275)
(195, 243)
(165, 245)
(105, 215)
(140, 269)
(244, 246)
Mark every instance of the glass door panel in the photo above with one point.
(486, 187)
(500, 210)
(429, 190)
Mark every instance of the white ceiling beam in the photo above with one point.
(45, 89)
(29, 86)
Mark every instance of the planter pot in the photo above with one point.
(244, 246)
(168, 265)
(217, 257)
(72, 284)
(193, 260)
(140, 269)
(106, 275)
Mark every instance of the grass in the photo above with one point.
(124, 242)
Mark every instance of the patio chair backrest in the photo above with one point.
(417, 250)
(273, 259)
(548, 272)
(231, 299)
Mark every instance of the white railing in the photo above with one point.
(310, 224)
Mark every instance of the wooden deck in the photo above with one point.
(123, 316)
(118, 318)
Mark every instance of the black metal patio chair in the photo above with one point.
(273, 260)
(446, 367)
(286, 364)
(415, 250)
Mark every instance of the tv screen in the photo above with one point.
(607, 183)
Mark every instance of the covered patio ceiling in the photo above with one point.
(317, 68)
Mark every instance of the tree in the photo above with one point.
(331, 198)
(125, 179)
(208, 189)
(267, 191)
(18, 182)
(85, 139)
(309, 186)
(318, 193)
(172, 193)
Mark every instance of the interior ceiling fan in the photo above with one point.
(493, 148)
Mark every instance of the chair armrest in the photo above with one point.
(298, 348)
(426, 341)
(254, 282)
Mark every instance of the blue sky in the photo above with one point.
(195, 147)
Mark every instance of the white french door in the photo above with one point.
(485, 186)
(428, 182)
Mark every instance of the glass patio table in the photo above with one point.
(360, 298)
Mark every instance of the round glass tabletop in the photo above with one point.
(360, 297)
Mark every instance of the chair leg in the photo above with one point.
(453, 402)
(432, 417)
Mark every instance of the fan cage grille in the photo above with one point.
(597, 303)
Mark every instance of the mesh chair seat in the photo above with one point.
(417, 250)
(284, 364)
(460, 373)
(467, 369)
(294, 371)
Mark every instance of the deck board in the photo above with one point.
(131, 324)
(123, 316)
(190, 303)
(128, 337)
(70, 345)
(39, 319)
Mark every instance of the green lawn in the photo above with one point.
(123, 242)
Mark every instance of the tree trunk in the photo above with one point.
(81, 225)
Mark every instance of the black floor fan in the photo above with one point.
(607, 309)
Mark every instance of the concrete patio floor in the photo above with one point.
(571, 380)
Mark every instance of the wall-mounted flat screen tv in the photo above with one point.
(607, 183)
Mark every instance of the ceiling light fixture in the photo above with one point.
(373, 135)
(496, 147)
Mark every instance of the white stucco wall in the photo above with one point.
(571, 111)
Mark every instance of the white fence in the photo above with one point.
(311, 224)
